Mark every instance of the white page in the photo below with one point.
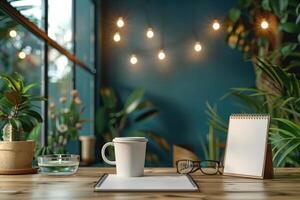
(246, 145)
(172, 182)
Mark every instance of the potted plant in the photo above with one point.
(18, 118)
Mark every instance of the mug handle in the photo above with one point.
(103, 153)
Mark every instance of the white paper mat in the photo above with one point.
(174, 182)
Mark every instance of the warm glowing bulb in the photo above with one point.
(12, 33)
(264, 24)
(133, 59)
(216, 25)
(150, 33)
(120, 22)
(117, 37)
(198, 46)
(22, 55)
(161, 55)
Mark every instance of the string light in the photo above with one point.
(117, 37)
(12, 33)
(198, 46)
(216, 25)
(264, 24)
(22, 55)
(133, 59)
(120, 22)
(150, 33)
(161, 55)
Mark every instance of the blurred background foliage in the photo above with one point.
(116, 118)
(274, 52)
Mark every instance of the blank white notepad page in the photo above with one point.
(174, 182)
(246, 145)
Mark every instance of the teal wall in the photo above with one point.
(181, 86)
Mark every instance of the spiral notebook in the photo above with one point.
(246, 146)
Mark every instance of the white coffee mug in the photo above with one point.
(130, 155)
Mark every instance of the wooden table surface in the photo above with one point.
(285, 185)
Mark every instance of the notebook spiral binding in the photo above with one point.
(250, 116)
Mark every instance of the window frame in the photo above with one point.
(47, 41)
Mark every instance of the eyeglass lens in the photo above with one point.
(207, 167)
(184, 166)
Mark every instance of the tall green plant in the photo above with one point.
(213, 144)
(284, 107)
(117, 119)
(277, 86)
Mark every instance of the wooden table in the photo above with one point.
(285, 185)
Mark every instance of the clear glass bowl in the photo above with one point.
(58, 164)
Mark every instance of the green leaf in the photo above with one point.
(211, 143)
(27, 124)
(298, 9)
(278, 6)
(290, 27)
(288, 151)
(13, 97)
(204, 149)
(265, 5)
(274, 5)
(101, 120)
(215, 120)
(133, 100)
(283, 4)
(11, 82)
(146, 115)
(17, 125)
(29, 87)
(37, 98)
(298, 19)
(144, 105)
(35, 132)
(234, 14)
(289, 123)
(287, 48)
(34, 114)
(244, 3)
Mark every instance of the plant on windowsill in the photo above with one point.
(66, 121)
(18, 118)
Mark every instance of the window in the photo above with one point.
(28, 49)
(60, 18)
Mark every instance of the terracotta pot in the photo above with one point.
(87, 149)
(16, 154)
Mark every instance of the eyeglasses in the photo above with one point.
(208, 167)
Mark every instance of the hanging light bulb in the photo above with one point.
(216, 25)
(198, 46)
(117, 37)
(22, 55)
(150, 33)
(264, 24)
(120, 22)
(161, 55)
(12, 33)
(133, 59)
